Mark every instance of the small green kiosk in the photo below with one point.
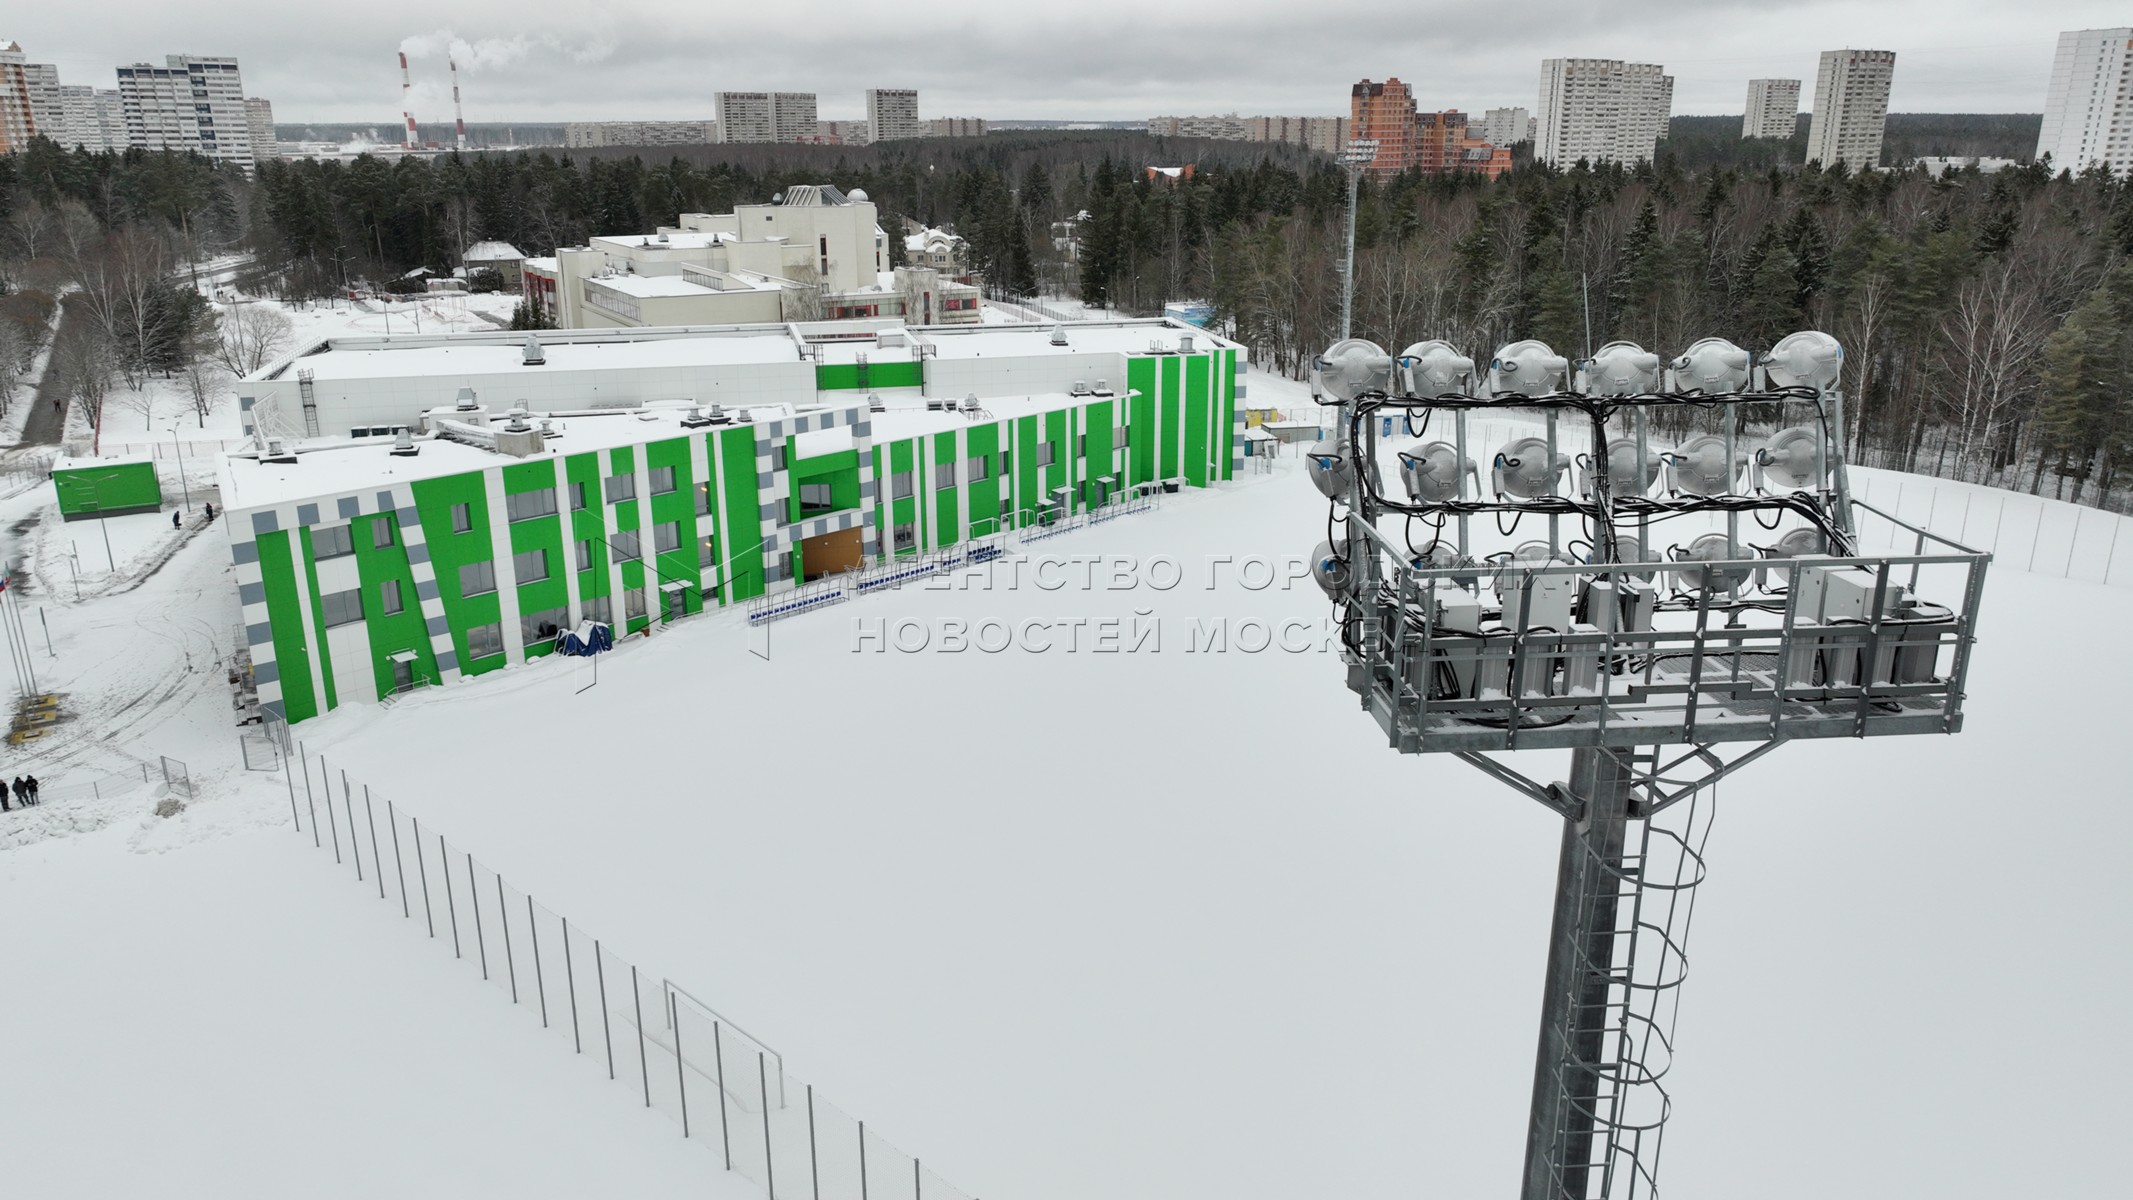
(106, 487)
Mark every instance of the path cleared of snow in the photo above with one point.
(1175, 923)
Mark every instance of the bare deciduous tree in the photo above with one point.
(250, 336)
(203, 386)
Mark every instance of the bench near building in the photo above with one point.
(422, 509)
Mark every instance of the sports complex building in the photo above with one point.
(417, 509)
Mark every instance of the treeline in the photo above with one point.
(1716, 141)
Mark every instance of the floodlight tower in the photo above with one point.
(1661, 674)
(1360, 153)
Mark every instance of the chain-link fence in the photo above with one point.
(2028, 533)
(719, 1084)
(261, 753)
(177, 778)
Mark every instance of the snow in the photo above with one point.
(1151, 924)
(622, 349)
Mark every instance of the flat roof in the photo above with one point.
(1030, 341)
(654, 285)
(70, 463)
(676, 239)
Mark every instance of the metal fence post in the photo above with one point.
(681, 1076)
(310, 804)
(326, 779)
(862, 1160)
(718, 1057)
(481, 940)
(2117, 523)
(606, 1034)
(503, 918)
(644, 1070)
(422, 870)
(291, 781)
(918, 1182)
(762, 1096)
(377, 865)
(348, 806)
(2072, 544)
(392, 822)
(570, 984)
(2036, 539)
(814, 1166)
(451, 902)
(540, 984)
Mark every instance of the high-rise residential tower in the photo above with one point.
(892, 115)
(259, 124)
(1601, 110)
(1851, 107)
(17, 125)
(191, 103)
(2086, 111)
(1773, 108)
(1504, 126)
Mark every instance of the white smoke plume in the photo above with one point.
(493, 53)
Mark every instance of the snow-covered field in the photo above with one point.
(1147, 923)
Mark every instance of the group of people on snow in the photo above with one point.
(24, 789)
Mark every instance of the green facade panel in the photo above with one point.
(107, 489)
(830, 377)
(278, 568)
(390, 632)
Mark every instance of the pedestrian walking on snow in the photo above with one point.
(173, 520)
(31, 780)
(21, 792)
(3, 798)
(210, 512)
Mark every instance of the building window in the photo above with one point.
(524, 506)
(1081, 446)
(341, 608)
(381, 533)
(585, 555)
(577, 496)
(477, 579)
(977, 468)
(814, 496)
(906, 537)
(535, 628)
(462, 518)
(389, 598)
(601, 609)
(703, 500)
(633, 603)
(666, 537)
(484, 641)
(662, 480)
(944, 478)
(332, 541)
(620, 488)
(530, 566)
(1007, 462)
(1047, 454)
(627, 545)
(1118, 438)
(900, 485)
(707, 552)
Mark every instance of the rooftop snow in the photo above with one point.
(67, 463)
(655, 285)
(487, 354)
(674, 239)
(994, 341)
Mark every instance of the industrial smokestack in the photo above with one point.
(407, 101)
(459, 115)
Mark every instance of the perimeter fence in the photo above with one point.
(720, 1085)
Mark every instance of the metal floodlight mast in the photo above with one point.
(1360, 154)
(1617, 651)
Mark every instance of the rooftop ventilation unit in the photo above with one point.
(1080, 388)
(548, 429)
(1185, 343)
(515, 421)
(970, 402)
(662, 239)
(535, 356)
(694, 418)
(889, 338)
(466, 402)
(1059, 335)
(718, 415)
(404, 443)
(874, 403)
(1102, 388)
(277, 452)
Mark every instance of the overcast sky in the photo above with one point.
(544, 60)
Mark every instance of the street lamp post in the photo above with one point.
(183, 486)
(1360, 153)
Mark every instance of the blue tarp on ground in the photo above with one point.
(590, 637)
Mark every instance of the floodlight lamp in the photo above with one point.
(1349, 368)
(1691, 574)
(1527, 368)
(1713, 366)
(1621, 369)
(1330, 470)
(1525, 469)
(1331, 572)
(1623, 476)
(1788, 459)
(1434, 368)
(1808, 358)
(1433, 472)
(1700, 468)
(1804, 540)
(1630, 548)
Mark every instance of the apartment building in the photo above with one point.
(46, 106)
(892, 115)
(1327, 135)
(1505, 126)
(17, 126)
(847, 133)
(956, 127)
(1384, 113)
(1773, 108)
(259, 121)
(1851, 107)
(1601, 110)
(2088, 108)
(581, 135)
(78, 124)
(1230, 128)
(765, 116)
(671, 472)
(111, 117)
(190, 103)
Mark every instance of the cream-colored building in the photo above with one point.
(2088, 108)
(1773, 108)
(1851, 107)
(815, 254)
(1601, 110)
